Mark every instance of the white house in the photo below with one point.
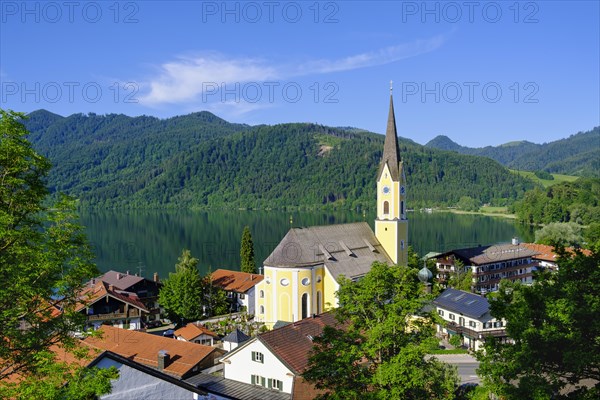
(196, 333)
(240, 288)
(468, 314)
(276, 359)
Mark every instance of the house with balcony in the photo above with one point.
(490, 264)
(103, 304)
(468, 315)
(145, 289)
(240, 288)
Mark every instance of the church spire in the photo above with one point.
(391, 152)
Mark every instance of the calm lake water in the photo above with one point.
(151, 241)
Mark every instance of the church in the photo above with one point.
(300, 275)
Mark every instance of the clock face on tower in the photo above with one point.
(386, 189)
(402, 190)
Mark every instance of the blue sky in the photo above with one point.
(481, 72)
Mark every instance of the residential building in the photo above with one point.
(490, 264)
(301, 273)
(468, 314)
(104, 304)
(276, 359)
(138, 381)
(146, 289)
(240, 288)
(546, 256)
(196, 333)
(174, 357)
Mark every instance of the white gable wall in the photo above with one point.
(240, 367)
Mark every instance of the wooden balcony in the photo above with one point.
(473, 334)
(132, 313)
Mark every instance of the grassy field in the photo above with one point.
(558, 178)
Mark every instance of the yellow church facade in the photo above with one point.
(300, 275)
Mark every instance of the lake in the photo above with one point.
(151, 241)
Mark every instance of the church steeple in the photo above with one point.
(391, 225)
(391, 152)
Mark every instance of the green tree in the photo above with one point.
(44, 262)
(565, 233)
(182, 294)
(467, 203)
(379, 349)
(247, 252)
(461, 279)
(215, 298)
(555, 327)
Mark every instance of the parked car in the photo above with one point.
(169, 333)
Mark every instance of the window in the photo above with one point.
(275, 384)
(305, 282)
(242, 296)
(284, 282)
(473, 324)
(461, 321)
(401, 208)
(386, 207)
(319, 302)
(498, 324)
(319, 279)
(441, 312)
(451, 316)
(258, 357)
(261, 310)
(261, 294)
(258, 380)
(304, 305)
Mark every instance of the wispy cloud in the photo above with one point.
(187, 78)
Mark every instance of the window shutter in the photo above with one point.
(270, 383)
(253, 379)
(262, 381)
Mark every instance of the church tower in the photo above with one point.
(391, 225)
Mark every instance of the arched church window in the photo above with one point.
(386, 207)
(304, 305)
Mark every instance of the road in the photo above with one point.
(466, 363)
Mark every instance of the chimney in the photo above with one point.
(127, 272)
(251, 277)
(119, 275)
(515, 241)
(155, 278)
(111, 287)
(163, 359)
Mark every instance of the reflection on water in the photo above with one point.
(151, 241)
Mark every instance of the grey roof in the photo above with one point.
(280, 324)
(234, 389)
(391, 152)
(482, 255)
(347, 249)
(120, 280)
(236, 336)
(464, 303)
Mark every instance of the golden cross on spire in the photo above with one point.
(391, 86)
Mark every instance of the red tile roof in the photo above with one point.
(235, 281)
(101, 289)
(193, 330)
(144, 347)
(547, 252)
(292, 343)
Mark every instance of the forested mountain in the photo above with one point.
(577, 202)
(578, 154)
(201, 161)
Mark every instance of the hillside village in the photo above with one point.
(261, 348)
